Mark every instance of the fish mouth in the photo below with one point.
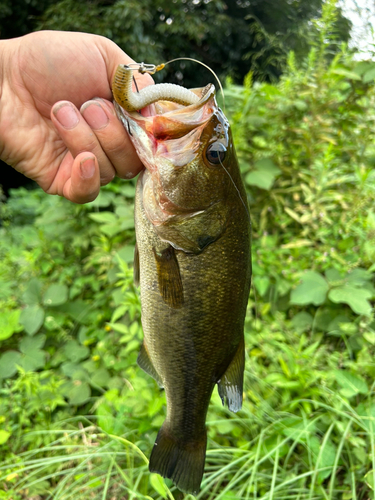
(164, 121)
(167, 137)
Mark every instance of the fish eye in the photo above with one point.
(215, 153)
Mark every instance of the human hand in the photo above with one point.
(46, 78)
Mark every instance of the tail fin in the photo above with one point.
(183, 462)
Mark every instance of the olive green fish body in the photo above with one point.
(193, 239)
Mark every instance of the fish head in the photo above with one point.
(187, 151)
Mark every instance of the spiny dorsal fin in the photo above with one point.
(169, 278)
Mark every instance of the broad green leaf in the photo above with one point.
(351, 384)
(74, 371)
(264, 174)
(312, 290)
(75, 352)
(104, 217)
(355, 297)
(369, 75)
(126, 253)
(104, 199)
(157, 482)
(32, 318)
(323, 318)
(333, 275)
(33, 360)
(302, 321)
(9, 323)
(78, 393)
(28, 344)
(32, 294)
(262, 284)
(111, 229)
(124, 211)
(55, 295)
(370, 337)
(359, 277)
(370, 479)
(8, 363)
(128, 190)
(101, 377)
(4, 436)
(78, 309)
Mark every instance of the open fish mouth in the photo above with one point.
(165, 126)
(166, 120)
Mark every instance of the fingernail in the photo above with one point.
(94, 115)
(66, 115)
(87, 167)
(104, 103)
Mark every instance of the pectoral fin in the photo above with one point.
(169, 278)
(230, 385)
(145, 363)
(136, 266)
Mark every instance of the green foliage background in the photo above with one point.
(78, 418)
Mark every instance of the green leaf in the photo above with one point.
(33, 360)
(312, 290)
(56, 295)
(264, 174)
(262, 284)
(369, 75)
(332, 275)
(78, 393)
(9, 323)
(4, 436)
(104, 217)
(351, 384)
(33, 357)
(370, 479)
(101, 377)
(302, 321)
(32, 294)
(111, 229)
(28, 344)
(32, 318)
(128, 190)
(157, 482)
(355, 297)
(8, 363)
(344, 72)
(103, 200)
(126, 253)
(75, 352)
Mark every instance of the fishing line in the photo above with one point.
(161, 66)
(238, 192)
(248, 215)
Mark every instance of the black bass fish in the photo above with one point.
(193, 260)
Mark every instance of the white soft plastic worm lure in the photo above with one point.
(134, 101)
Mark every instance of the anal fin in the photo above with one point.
(230, 385)
(169, 277)
(145, 363)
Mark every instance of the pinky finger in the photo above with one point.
(83, 185)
